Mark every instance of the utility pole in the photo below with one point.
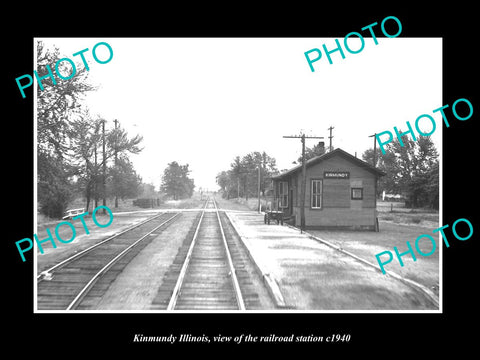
(304, 176)
(374, 149)
(376, 226)
(95, 187)
(115, 164)
(330, 137)
(96, 164)
(104, 182)
(258, 189)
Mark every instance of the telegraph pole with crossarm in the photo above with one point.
(304, 176)
(330, 137)
(376, 180)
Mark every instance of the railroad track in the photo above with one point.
(204, 276)
(80, 281)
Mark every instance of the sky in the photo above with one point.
(204, 101)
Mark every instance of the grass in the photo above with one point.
(424, 219)
(397, 212)
(366, 244)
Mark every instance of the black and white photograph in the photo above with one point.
(308, 186)
(199, 160)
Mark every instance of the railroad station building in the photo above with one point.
(339, 193)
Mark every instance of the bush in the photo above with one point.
(146, 203)
(54, 203)
(54, 187)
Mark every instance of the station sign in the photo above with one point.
(336, 175)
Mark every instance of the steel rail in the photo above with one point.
(233, 273)
(83, 252)
(94, 279)
(183, 271)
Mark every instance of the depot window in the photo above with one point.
(357, 193)
(316, 194)
(283, 194)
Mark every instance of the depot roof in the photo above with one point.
(320, 158)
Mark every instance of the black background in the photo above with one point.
(403, 333)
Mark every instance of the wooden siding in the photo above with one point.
(331, 218)
(338, 209)
(336, 193)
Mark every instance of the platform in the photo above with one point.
(313, 276)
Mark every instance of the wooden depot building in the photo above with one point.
(339, 193)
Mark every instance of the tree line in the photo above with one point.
(411, 170)
(245, 173)
(241, 180)
(176, 182)
(77, 153)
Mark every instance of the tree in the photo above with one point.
(124, 181)
(85, 142)
(411, 169)
(53, 185)
(317, 150)
(241, 180)
(388, 164)
(55, 104)
(424, 171)
(225, 183)
(251, 163)
(175, 181)
(120, 144)
(432, 187)
(236, 172)
(87, 154)
(147, 191)
(70, 141)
